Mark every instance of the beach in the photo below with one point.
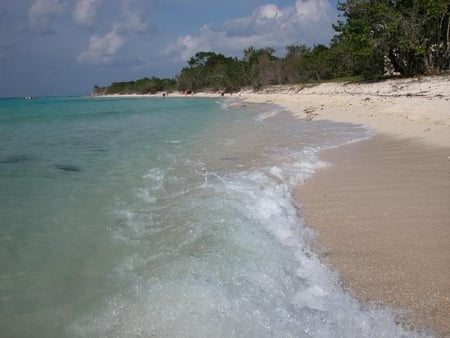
(215, 216)
(381, 210)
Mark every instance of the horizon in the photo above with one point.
(65, 47)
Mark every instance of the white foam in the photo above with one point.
(155, 178)
(235, 262)
(267, 115)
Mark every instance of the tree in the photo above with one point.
(317, 63)
(262, 67)
(293, 64)
(364, 34)
(413, 35)
(98, 90)
(436, 28)
(210, 70)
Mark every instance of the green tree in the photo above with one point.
(98, 90)
(261, 66)
(363, 34)
(210, 70)
(412, 34)
(293, 64)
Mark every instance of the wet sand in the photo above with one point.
(382, 211)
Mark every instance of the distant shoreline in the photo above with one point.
(413, 108)
(161, 94)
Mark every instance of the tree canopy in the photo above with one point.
(412, 35)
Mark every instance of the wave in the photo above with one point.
(227, 254)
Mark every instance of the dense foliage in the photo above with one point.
(411, 36)
(374, 38)
(142, 86)
(258, 67)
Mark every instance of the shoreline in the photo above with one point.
(381, 209)
(381, 215)
(414, 108)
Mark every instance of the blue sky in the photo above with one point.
(65, 47)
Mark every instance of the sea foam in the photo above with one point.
(235, 261)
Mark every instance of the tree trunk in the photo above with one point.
(448, 33)
(446, 56)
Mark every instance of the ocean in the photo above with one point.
(166, 217)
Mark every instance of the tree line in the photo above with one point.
(373, 38)
(145, 85)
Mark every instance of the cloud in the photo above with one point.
(312, 10)
(268, 12)
(102, 49)
(85, 11)
(209, 39)
(133, 19)
(42, 12)
(307, 21)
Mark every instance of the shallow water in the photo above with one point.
(165, 217)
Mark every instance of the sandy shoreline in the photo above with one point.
(410, 108)
(382, 210)
(417, 108)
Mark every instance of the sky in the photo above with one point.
(65, 47)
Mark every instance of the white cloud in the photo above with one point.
(85, 11)
(268, 12)
(307, 21)
(42, 12)
(133, 19)
(312, 10)
(102, 49)
(187, 46)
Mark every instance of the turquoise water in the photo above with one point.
(127, 217)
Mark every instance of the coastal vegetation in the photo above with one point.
(373, 39)
(142, 86)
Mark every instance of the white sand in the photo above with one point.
(412, 108)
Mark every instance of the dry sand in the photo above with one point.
(382, 210)
(411, 108)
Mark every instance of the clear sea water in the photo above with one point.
(152, 217)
